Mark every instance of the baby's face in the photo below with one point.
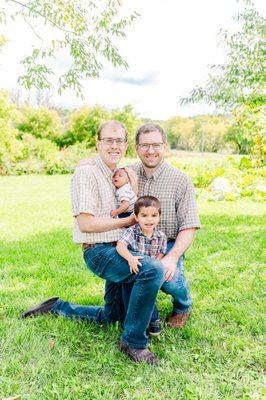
(120, 178)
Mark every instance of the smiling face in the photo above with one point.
(120, 178)
(148, 218)
(151, 156)
(111, 151)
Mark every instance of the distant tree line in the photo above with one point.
(45, 139)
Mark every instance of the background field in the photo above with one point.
(218, 355)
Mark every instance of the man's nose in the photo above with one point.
(150, 149)
(114, 144)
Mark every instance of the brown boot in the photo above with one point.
(177, 320)
(139, 355)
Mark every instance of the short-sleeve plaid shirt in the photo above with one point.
(93, 192)
(144, 245)
(176, 193)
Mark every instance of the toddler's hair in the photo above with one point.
(146, 201)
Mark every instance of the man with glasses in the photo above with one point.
(179, 219)
(93, 199)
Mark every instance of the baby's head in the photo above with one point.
(147, 211)
(120, 178)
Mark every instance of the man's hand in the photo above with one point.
(169, 263)
(134, 264)
(133, 178)
(129, 221)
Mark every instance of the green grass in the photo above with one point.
(218, 355)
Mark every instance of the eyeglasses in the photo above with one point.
(110, 141)
(154, 146)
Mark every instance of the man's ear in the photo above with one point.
(97, 144)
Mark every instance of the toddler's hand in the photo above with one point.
(134, 264)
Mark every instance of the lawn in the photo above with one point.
(218, 355)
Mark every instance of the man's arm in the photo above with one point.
(91, 224)
(183, 241)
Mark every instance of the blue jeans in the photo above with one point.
(177, 288)
(104, 261)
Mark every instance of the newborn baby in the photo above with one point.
(124, 194)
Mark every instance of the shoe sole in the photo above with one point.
(155, 334)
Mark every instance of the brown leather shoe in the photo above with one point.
(139, 355)
(177, 320)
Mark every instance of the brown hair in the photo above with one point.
(146, 201)
(113, 124)
(147, 128)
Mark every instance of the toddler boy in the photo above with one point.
(144, 238)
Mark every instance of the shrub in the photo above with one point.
(41, 123)
(10, 147)
(83, 126)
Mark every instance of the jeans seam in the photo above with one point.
(134, 313)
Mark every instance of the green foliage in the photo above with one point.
(201, 133)
(41, 123)
(238, 85)
(131, 122)
(83, 126)
(245, 180)
(10, 147)
(86, 30)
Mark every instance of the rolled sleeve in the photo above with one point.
(187, 210)
(127, 237)
(83, 192)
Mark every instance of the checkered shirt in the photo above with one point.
(138, 242)
(176, 193)
(92, 192)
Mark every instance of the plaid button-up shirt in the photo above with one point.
(176, 193)
(136, 241)
(93, 192)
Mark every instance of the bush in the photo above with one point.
(83, 127)
(10, 147)
(41, 123)
(131, 122)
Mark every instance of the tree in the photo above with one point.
(10, 147)
(41, 123)
(85, 29)
(83, 126)
(238, 85)
(131, 122)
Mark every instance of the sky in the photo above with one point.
(169, 49)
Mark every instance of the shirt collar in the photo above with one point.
(157, 172)
(156, 232)
(103, 167)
